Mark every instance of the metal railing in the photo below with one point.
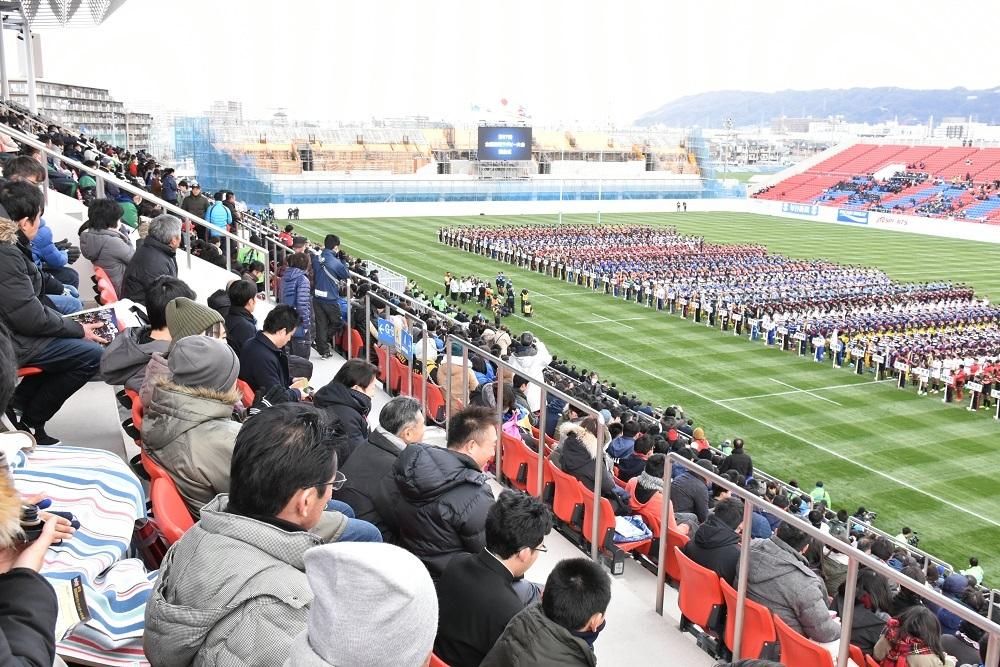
(103, 177)
(855, 557)
(596, 541)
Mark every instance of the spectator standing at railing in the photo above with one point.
(218, 216)
(328, 272)
(296, 292)
(196, 203)
(738, 460)
(168, 186)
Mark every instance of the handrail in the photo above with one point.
(926, 557)
(856, 559)
(101, 177)
(596, 541)
(417, 304)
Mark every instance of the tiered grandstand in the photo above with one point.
(959, 182)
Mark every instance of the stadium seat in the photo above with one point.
(567, 503)
(437, 662)
(246, 393)
(416, 385)
(169, 510)
(759, 639)
(357, 350)
(28, 370)
(796, 650)
(605, 524)
(700, 598)
(380, 352)
(397, 370)
(526, 459)
(515, 462)
(435, 407)
(857, 657)
(870, 661)
(674, 540)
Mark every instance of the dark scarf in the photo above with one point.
(591, 636)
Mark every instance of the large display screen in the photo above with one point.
(504, 143)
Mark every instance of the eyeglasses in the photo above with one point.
(542, 548)
(335, 485)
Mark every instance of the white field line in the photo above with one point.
(743, 414)
(608, 319)
(806, 391)
(796, 391)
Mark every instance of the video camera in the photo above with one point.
(32, 522)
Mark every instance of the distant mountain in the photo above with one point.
(856, 105)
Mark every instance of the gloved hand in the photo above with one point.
(72, 254)
(265, 399)
(63, 245)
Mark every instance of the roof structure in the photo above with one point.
(63, 13)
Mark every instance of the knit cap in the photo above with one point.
(374, 605)
(187, 318)
(200, 361)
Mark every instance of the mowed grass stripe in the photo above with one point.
(917, 440)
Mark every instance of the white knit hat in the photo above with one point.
(374, 605)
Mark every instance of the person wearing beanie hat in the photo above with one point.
(188, 427)
(184, 318)
(392, 587)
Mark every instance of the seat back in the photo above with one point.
(758, 627)
(857, 657)
(396, 372)
(870, 661)
(674, 540)
(568, 497)
(437, 662)
(797, 651)
(435, 406)
(169, 509)
(357, 345)
(246, 393)
(515, 463)
(605, 520)
(700, 598)
(417, 385)
(381, 353)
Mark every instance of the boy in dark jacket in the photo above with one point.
(263, 361)
(716, 544)
(560, 630)
(241, 325)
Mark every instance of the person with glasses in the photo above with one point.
(479, 593)
(233, 590)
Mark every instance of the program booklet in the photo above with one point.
(104, 315)
(72, 602)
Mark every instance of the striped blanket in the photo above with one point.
(100, 489)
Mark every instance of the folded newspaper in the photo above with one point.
(104, 315)
(631, 529)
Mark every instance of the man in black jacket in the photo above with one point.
(738, 460)
(157, 256)
(68, 353)
(241, 325)
(263, 361)
(370, 489)
(479, 593)
(689, 493)
(716, 544)
(444, 495)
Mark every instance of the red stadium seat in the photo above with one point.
(397, 372)
(357, 350)
(28, 370)
(857, 657)
(605, 524)
(567, 504)
(380, 352)
(435, 407)
(437, 662)
(519, 464)
(759, 639)
(797, 651)
(246, 393)
(674, 540)
(169, 509)
(700, 599)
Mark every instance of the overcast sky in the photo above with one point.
(562, 60)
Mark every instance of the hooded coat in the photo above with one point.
(109, 249)
(190, 432)
(32, 324)
(578, 449)
(125, 358)
(351, 407)
(954, 585)
(232, 591)
(532, 640)
(717, 547)
(444, 499)
(295, 292)
(780, 579)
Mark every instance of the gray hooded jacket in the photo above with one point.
(781, 580)
(232, 591)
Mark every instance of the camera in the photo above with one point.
(914, 539)
(32, 523)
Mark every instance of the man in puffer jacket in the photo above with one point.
(296, 292)
(55, 259)
(954, 586)
(780, 579)
(188, 427)
(443, 494)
